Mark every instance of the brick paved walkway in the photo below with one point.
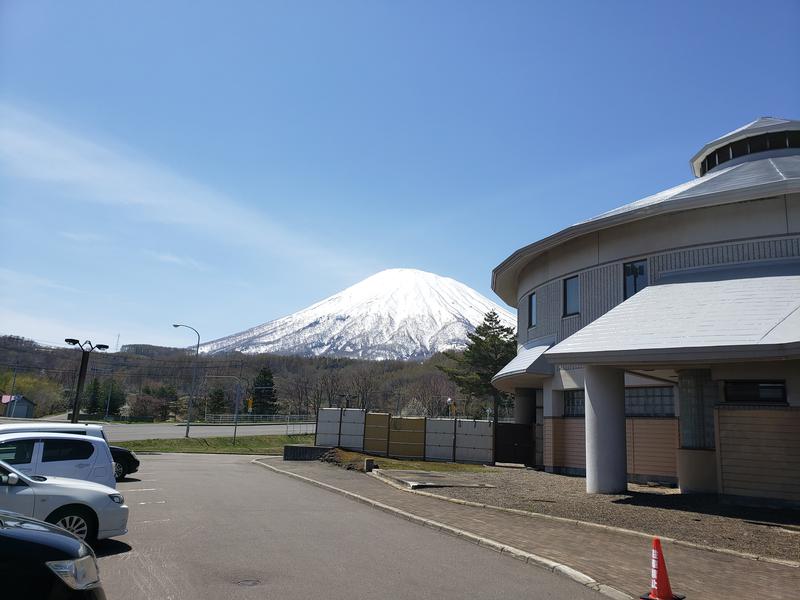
(613, 558)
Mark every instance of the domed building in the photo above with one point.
(660, 341)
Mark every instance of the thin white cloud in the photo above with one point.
(18, 283)
(51, 331)
(83, 238)
(87, 170)
(181, 261)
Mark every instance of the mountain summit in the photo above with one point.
(394, 314)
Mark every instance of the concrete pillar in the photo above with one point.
(606, 458)
(524, 406)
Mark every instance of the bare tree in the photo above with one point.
(363, 384)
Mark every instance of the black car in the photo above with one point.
(41, 561)
(125, 462)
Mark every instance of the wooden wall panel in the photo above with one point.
(653, 446)
(759, 452)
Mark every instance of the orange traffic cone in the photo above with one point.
(659, 578)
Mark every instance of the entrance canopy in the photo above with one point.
(707, 315)
(526, 369)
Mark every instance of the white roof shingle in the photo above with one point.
(720, 314)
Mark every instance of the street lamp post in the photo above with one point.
(194, 376)
(86, 348)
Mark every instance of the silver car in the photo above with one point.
(90, 511)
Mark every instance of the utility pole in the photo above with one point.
(194, 376)
(86, 348)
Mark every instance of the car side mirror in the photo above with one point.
(10, 479)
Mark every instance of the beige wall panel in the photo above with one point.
(547, 443)
(570, 443)
(793, 213)
(653, 446)
(701, 226)
(570, 257)
(759, 452)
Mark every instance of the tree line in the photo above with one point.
(155, 383)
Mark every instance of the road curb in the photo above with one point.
(522, 555)
(515, 511)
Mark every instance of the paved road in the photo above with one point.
(200, 524)
(120, 432)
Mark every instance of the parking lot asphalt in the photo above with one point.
(217, 526)
(120, 432)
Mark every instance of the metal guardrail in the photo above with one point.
(231, 418)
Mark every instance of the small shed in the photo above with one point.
(17, 406)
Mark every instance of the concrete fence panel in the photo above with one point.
(376, 433)
(352, 437)
(439, 437)
(328, 427)
(407, 437)
(474, 441)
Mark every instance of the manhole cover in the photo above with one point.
(249, 582)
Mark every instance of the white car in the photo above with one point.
(88, 510)
(59, 455)
(50, 427)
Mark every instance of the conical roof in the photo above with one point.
(759, 126)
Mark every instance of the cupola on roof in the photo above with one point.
(766, 134)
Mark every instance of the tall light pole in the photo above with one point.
(86, 348)
(194, 375)
(239, 391)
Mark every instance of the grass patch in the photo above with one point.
(245, 444)
(355, 460)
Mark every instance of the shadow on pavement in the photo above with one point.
(711, 505)
(110, 548)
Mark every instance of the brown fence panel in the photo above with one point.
(376, 433)
(407, 437)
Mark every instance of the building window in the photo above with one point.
(762, 392)
(532, 310)
(574, 403)
(635, 277)
(654, 401)
(572, 293)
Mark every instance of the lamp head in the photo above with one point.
(71, 341)
(175, 325)
(102, 346)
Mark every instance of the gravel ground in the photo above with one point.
(700, 519)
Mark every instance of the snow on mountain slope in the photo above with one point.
(394, 314)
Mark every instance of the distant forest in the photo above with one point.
(145, 382)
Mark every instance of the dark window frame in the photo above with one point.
(532, 310)
(756, 382)
(636, 287)
(566, 312)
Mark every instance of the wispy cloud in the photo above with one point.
(172, 259)
(15, 282)
(83, 238)
(90, 170)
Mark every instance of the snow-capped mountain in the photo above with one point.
(394, 314)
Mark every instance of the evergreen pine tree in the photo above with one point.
(92, 398)
(491, 346)
(265, 400)
(216, 402)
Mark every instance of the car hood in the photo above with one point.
(24, 535)
(64, 482)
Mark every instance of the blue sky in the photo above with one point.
(224, 164)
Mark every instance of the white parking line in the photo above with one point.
(141, 490)
(154, 521)
(157, 502)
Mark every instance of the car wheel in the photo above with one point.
(119, 471)
(79, 521)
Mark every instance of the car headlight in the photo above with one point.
(117, 498)
(79, 574)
